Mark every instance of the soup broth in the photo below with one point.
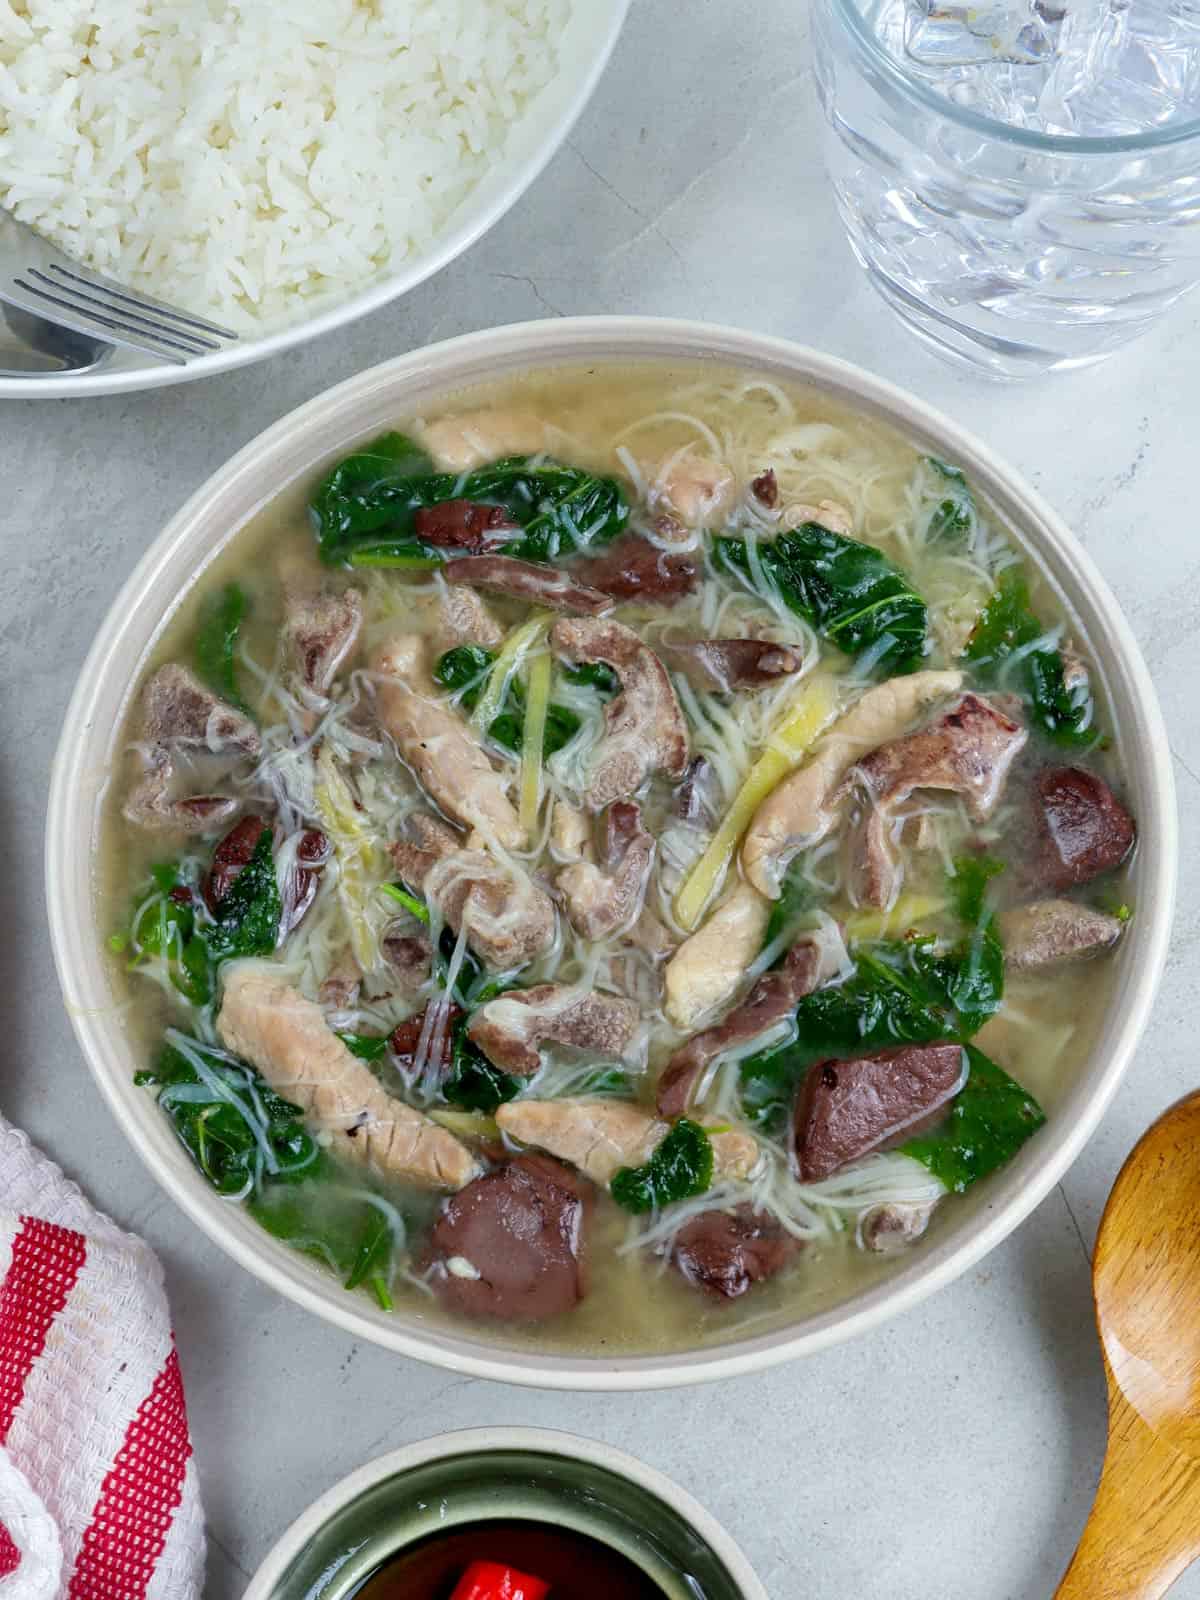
(817, 923)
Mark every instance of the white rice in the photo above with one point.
(249, 158)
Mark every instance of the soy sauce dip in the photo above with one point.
(576, 1566)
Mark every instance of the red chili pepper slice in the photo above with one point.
(492, 1580)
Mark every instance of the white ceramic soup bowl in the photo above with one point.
(485, 1474)
(584, 50)
(312, 437)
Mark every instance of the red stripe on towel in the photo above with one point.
(45, 1264)
(138, 1498)
(10, 1556)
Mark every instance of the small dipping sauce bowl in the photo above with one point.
(429, 1490)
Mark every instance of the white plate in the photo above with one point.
(585, 48)
(318, 433)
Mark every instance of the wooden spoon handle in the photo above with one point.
(1144, 1528)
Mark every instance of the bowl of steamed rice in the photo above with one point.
(280, 171)
(612, 852)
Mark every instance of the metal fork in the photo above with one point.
(36, 277)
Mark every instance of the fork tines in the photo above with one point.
(89, 303)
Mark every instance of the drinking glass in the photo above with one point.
(1014, 250)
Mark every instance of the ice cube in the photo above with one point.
(947, 33)
(1123, 66)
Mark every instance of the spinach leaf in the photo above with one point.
(991, 1118)
(593, 675)
(356, 498)
(373, 1259)
(796, 897)
(229, 1122)
(558, 509)
(977, 988)
(900, 992)
(955, 517)
(849, 591)
(336, 1225)
(246, 923)
(1065, 714)
(682, 1165)
(465, 669)
(366, 1046)
(473, 1082)
(221, 619)
(508, 729)
(164, 925)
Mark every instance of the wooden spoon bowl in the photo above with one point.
(1144, 1528)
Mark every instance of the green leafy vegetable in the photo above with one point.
(682, 1165)
(236, 1129)
(473, 1082)
(977, 988)
(164, 925)
(216, 643)
(248, 1141)
(1064, 712)
(366, 1046)
(337, 1225)
(380, 489)
(796, 898)
(849, 591)
(246, 922)
(901, 992)
(991, 1118)
(955, 517)
(465, 669)
(411, 903)
(354, 499)
(593, 675)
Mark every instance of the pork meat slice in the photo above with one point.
(602, 1136)
(1082, 829)
(321, 628)
(813, 960)
(508, 917)
(513, 1245)
(511, 1029)
(719, 666)
(475, 438)
(632, 568)
(531, 581)
(709, 965)
(607, 898)
(696, 489)
(180, 716)
(846, 1109)
(644, 728)
(806, 806)
(968, 750)
(438, 744)
(1051, 933)
(727, 1252)
(271, 1025)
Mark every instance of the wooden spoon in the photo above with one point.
(1144, 1528)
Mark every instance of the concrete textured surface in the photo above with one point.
(953, 1454)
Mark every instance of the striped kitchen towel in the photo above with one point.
(98, 1494)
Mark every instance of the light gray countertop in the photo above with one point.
(952, 1453)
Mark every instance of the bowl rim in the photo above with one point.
(1012, 1194)
(448, 245)
(483, 1441)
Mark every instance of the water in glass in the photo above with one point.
(1021, 180)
